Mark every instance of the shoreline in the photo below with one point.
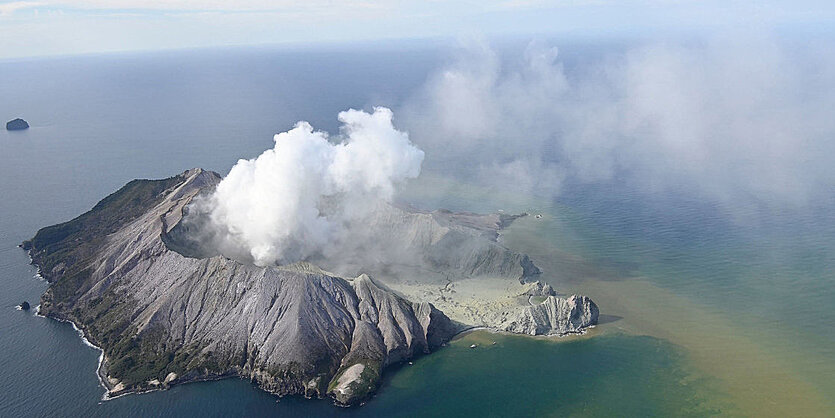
(86, 342)
(106, 396)
(492, 330)
(77, 329)
(101, 368)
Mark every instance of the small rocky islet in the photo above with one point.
(17, 125)
(165, 311)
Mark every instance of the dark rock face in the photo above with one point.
(17, 125)
(25, 305)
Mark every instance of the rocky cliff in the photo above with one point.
(553, 315)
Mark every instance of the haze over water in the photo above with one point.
(703, 312)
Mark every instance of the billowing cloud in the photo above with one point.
(308, 192)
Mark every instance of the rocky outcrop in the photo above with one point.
(24, 306)
(539, 288)
(553, 316)
(17, 125)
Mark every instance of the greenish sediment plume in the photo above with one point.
(761, 379)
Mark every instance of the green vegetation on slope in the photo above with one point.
(62, 251)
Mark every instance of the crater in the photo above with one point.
(192, 236)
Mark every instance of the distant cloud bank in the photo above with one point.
(736, 120)
(61, 27)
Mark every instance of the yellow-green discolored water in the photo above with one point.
(746, 305)
(767, 368)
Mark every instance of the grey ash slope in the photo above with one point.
(161, 317)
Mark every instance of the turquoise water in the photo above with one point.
(609, 375)
(604, 376)
(761, 289)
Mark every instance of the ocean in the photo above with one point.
(702, 313)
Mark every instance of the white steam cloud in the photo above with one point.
(307, 193)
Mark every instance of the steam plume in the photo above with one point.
(309, 190)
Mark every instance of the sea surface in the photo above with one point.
(702, 313)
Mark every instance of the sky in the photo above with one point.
(65, 27)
